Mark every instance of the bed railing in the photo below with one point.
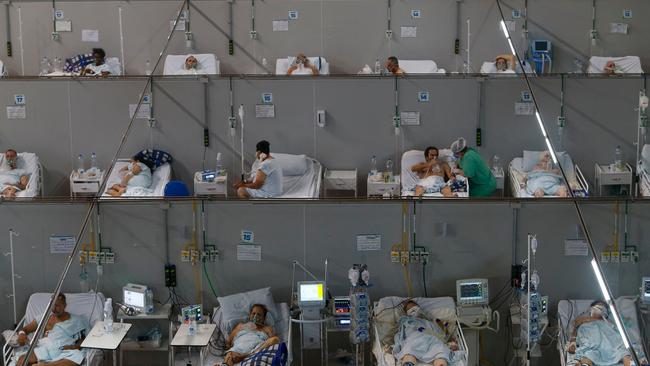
(8, 349)
(582, 180)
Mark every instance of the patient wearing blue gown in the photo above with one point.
(61, 341)
(544, 180)
(421, 340)
(135, 176)
(595, 340)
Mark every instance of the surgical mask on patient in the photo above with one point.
(413, 311)
(598, 310)
(257, 319)
(11, 162)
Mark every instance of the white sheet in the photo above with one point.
(644, 171)
(489, 67)
(30, 163)
(299, 186)
(518, 175)
(282, 65)
(420, 67)
(3, 72)
(160, 177)
(441, 307)
(627, 64)
(175, 64)
(569, 310)
(409, 179)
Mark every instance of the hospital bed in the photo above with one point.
(626, 64)
(302, 175)
(489, 67)
(420, 67)
(159, 178)
(409, 179)
(89, 304)
(387, 312)
(643, 170)
(282, 66)
(207, 65)
(520, 166)
(30, 163)
(113, 63)
(569, 310)
(3, 72)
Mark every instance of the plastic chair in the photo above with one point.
(176, 188)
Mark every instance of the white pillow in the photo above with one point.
(235, 308)
(531, 158)
(645, 158)
(291, 164)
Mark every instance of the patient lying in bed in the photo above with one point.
(12, 179)
(545, 180)
(420, 340)
(595, 341)
(135, 176)
(432, 174)
(250, 337)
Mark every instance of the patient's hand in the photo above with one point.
(22, 339)
(572, 347)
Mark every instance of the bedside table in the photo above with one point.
(379, 188)
(605, 176)
(340, 180)
(85, 184)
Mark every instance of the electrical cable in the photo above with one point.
(424, 279)
(207, 276)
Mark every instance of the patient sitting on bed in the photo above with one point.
(250, 337)
(267, 182)
(99, 66)
(134, 175)
(61, 342)
(545, 180)
(432, 174)
(12, 179)
(595, 340)
(420, 340)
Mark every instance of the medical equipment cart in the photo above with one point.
(160, 313)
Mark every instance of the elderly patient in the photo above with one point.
(60, 345)
(136, 175)
(432, 174)
(267, 182)
(12, 179)
(302, 65)
(420, 340)
(250, 337)
(544, 179)
(595, 341)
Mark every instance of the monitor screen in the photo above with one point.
(133, 298)
(471, 291)
(646, 288)
(541, 46)
(312, 292)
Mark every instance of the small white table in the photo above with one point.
(200, 340)
(379, 188)
(85, 183)
(218, 187)
(340, 180)
(606, 176)
(99, 339)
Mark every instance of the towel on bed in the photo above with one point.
(275, 355)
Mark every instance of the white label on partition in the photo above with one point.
(62, 244)
(409, 32)
(293, 14)
(267, 97)
(423, 96)
(247, 237)
(410, 118)
(280, 25)
(16, 112)
(58, 14)
(576, 248)
(180, 26)
(19, 99)
(265, 111)
(416, 14)
(524, 109)
(63, 26)
(144, 112)
(618, 28)
(89, 35)
(249, 252)
(368, 242)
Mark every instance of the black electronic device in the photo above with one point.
(170, 275)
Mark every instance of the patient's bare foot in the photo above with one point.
(562, 192)
(419, 191)
(539, 193)
(446, 192)
(24, 180)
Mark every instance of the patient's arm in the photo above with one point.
(260, 178)
(421, 167)
(447, 169)
(233, 334)
(29, 328)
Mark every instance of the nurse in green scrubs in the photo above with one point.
(481, 180)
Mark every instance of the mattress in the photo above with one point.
(518, 176)
(30, 163)
(282, 66)
(388, 306)
(410, 179)
(420, 67)
(161, 176)
(569, 310)
(627, 64)
(208, 64)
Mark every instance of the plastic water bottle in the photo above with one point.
(108, 315)
(147, 68)
(148, 295)
(45, 66)
(58, 64)
(618, 159)
(373, 165)
(191, 329)
(377, 67)
(496, 164)
(80, 164)
(389, 169)
(219, 168)
(93, 162)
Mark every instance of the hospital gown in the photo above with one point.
(248, 339)
(420, 338)
(11, 177)
(97, 70)
(600, 342)
(272, 184)
(544, 180)
(65, 333)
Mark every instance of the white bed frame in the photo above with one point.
(644, 183)
(520, 192)
(377, 347)
(93, 356)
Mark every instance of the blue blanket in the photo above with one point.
(275, 355)
(600, 342)
(544, 180)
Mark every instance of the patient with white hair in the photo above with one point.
(545, 179)
(190, 66)
(250, 337)
(12, 179)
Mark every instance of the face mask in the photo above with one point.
(11, 162)
(598, 310)
(414, 311)
(130, 166)
(257, 319)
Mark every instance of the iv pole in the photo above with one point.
(12, 233)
